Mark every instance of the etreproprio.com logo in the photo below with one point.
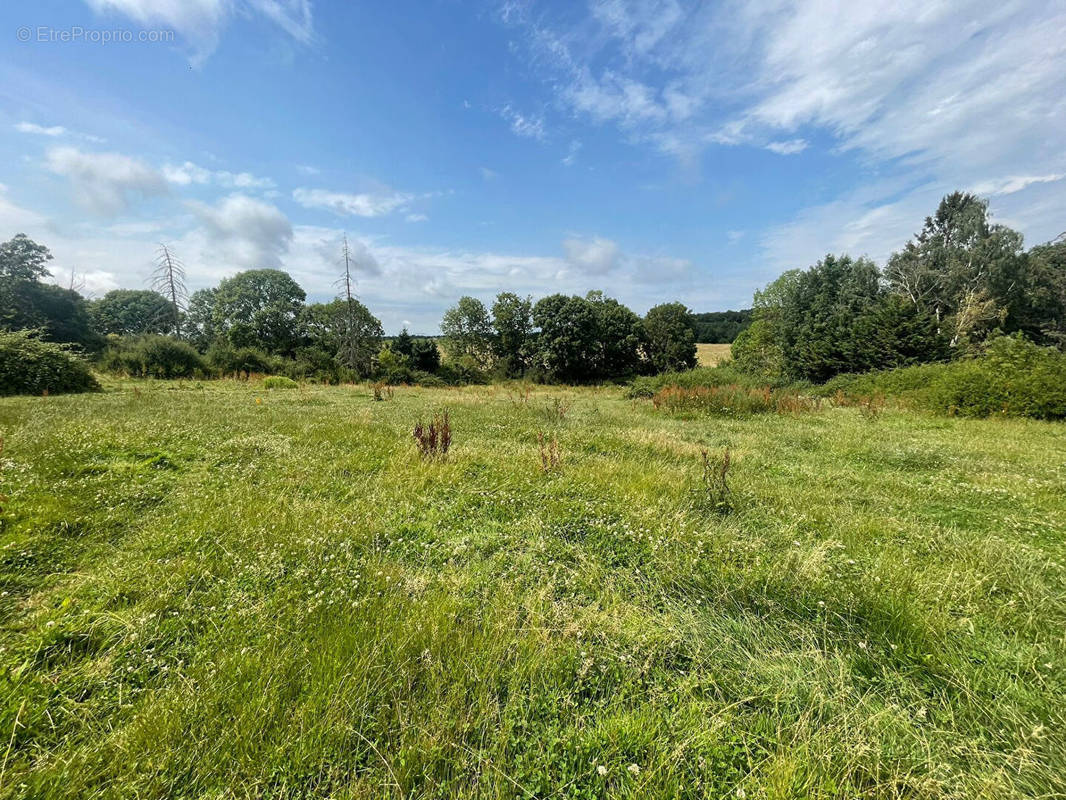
(77, 34)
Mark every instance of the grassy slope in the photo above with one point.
(222, 591)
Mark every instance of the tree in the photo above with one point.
(671, 337)
(200, 319)
(1046, 292)
(425, 356)
(961, 269)
(621, 337)
(467, 331)
(721, 327)
(403, 345)
(22, 259)
(347, 331)
(168, 280)
(259, 308)
(512, 321)
(131, 312)
(27, 303)
(834, 317)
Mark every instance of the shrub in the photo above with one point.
(239, 361)
(280, 382)
(153, 357)
(31, 366)
(1011, 377)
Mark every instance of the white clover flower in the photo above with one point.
(601, 770)
(633, 769)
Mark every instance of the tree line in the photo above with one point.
(260, 321)
(961, 281)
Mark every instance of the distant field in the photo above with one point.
(710, 354)
(220, 591)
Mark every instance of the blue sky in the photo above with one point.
(655, 149)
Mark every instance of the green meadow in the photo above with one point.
(221, 590)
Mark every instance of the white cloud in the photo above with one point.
(417, 218)
(40, 130)
(1014, 184)
(105, 183)
(951, 95)
(791, 147)
(592, 256)
(201, 22)
(527, 126)
(54, 132)
(249, 232)
(359, 205)
(190, 173)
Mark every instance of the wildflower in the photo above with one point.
(741, 794)
(633, 769)
(601, 770)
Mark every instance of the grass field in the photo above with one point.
(220, 591)
(710, 355)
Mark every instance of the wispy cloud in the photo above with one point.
(189, 173)
(366, 204)
(54, 132)
(525, 125)
(791, 147)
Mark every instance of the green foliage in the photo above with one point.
(346, 329)
(1010, 377)
(835, 317)
(153, 356)
(963, 271)
(721, 327)
(258, 309)
(512, 321)
(132, 312)
(425, 356)
(467, 331)
(29, 365)
(280, 382)
(587, 338)
(23, 260)
(671, 337)
(403, 344)
(238, 361)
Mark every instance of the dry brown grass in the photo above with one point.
(711, 355)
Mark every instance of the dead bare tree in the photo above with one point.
(168, 279)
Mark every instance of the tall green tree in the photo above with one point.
(512, 321)
(961, 268)
(467, 330)
(347, 331)
(132, 312)
(671, 337)
(28, 303)
(259, 308)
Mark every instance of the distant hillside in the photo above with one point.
(721, 327)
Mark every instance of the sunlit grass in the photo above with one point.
(224, 591)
